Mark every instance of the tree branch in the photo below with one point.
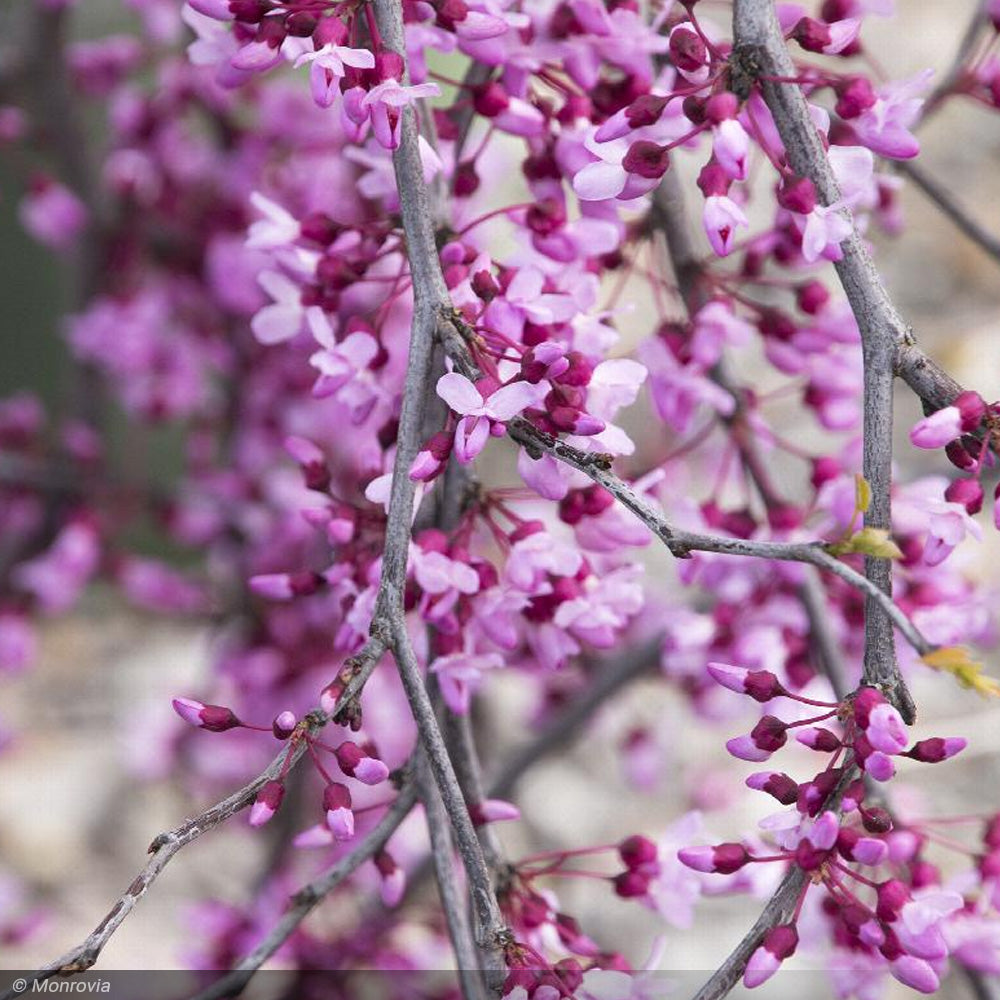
(452, 901)
(941, 196)
(760, 55)
(490, 932)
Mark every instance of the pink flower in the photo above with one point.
(385, 103)
(731, 145)
(267, 803)
(884, 127)
(947, 526)
(779, 943)
(52, 214)
(938, 429)
(625, 168)
(483, 408)
(721, 218)
(826, 227)
(282, 320)
(328, 69)
(461, 675)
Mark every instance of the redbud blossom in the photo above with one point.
(357, 763)
(779, 943)
(337, 806)
(214, 718)
(267, 803)
(723, 858)
(283, 725)
(393, 878)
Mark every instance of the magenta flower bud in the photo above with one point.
(876, 819)
(285, 586)
(776, 784)
(916, 973)
(337, 806)
(864, 701)
(855, 95)
(797, 194)
(723, 859)
(713, 181)
(729, 676)
(267, 803)
(971, 408)
(967, 492)
(358, 763)
(631, 884)
(687, 50)
(393, 878)
(937, 430)
(812, 35)
(817, 738)
(936, 749)
(770, 733)
(283, 725)
(722, 106)
(853, 846)
(811, 297)
(745, 748)
(644, 110)
(493, 811)
(214, 718)
(885, 729)
(892, 895)
(311, 460)
(779, 943)
(637, 851)
(879, 766)
(490, 99)
(646, 159)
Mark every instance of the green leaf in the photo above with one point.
(862, 494)
(868, 542)
(955, 660)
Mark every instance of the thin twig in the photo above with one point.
(452, 902)
(490, 932)
(942, 197)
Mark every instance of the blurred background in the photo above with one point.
(82, 792)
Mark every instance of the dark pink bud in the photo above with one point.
(713, 180)
(645, 110)
(283, 725)
(824, 470)
(855, 95)
(812, 35)
(865, 700)
(779, 943)
(722, 106)
(818, 738)
(631, 884)
(357, 763)
(812, 296)
(636, 851)
(936, 749)
(214, 718)
(267, 803)
(776, 784)
(490, 99)
(466, 179)
(797, 194)
(991, 835)
(646, 159)
(967, 492)
(893, 895)
(687, 50)
(388, 65)
(876, 819)
(770, 733)
(972, 409)
(723, 859)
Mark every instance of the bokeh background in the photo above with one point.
(82, 791)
